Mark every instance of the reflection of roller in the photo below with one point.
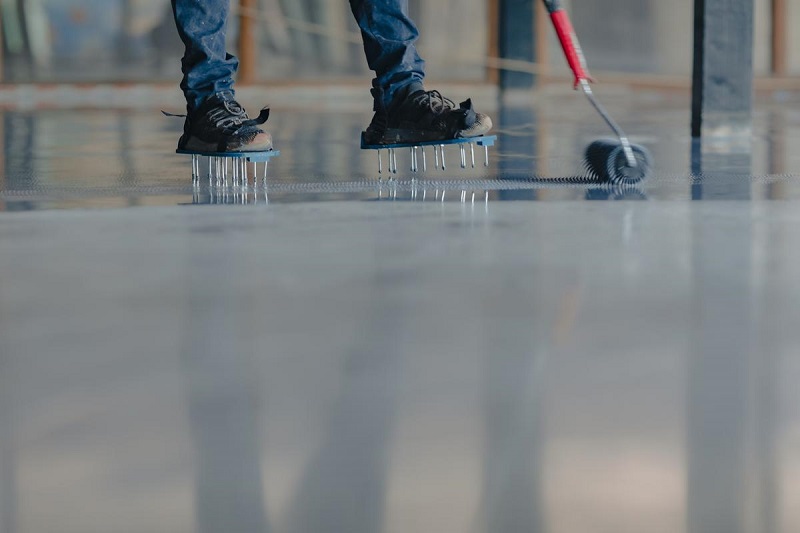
(619, 162)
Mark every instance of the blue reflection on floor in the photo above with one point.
(67, 159)
(358, 355)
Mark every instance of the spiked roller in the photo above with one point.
(466, 148)
(634, 163)
(229, 168)
(606, 160)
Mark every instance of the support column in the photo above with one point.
(723, 66)
(516, 41)
(780, 52)
(247, 42)
(2, 47)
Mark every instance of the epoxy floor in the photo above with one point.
(344, 356)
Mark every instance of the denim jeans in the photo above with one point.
(387, 31)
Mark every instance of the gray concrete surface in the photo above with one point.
(340, 361)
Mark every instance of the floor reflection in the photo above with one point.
(120, 158)
(354, 367)
(224, 398)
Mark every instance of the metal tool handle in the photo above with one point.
(577, 63)
(623, 139)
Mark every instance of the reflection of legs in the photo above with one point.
(229, 492)
(344, 485)
(513, 469)
(224, 402)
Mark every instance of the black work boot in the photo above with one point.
(423, 116)
(220, 125)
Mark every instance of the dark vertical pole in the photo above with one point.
(516, 41)
(723, 64)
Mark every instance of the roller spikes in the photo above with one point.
(466, 151)
(226, 170)
(605, 160)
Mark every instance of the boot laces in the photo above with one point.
(434, 101)
(229, 114)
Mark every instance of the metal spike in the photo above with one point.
(444, 166)
(472, 153)
(486, 151)
(424, 161)
(463, 156)
(380, 163)
(473, 197)
(436, 155)
(443, 191)
(463, 196)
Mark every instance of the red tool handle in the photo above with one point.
(571, 46)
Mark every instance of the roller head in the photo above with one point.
(605, 160)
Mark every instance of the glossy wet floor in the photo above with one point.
(329, 362)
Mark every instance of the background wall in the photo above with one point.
(135, 40)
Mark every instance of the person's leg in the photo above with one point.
(215, 122)
(207, 67)
(389, 43)
(404, 111)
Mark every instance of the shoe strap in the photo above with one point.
(262, 117)
(166, 114)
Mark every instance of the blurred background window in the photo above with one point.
(307, 40)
